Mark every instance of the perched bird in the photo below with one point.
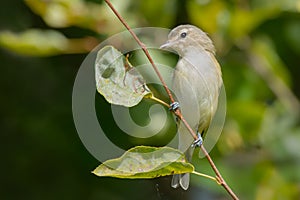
(197, 80)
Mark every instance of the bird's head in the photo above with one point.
(183, 37)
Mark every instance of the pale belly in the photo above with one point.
(197, 90)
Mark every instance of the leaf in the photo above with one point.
(145, 162)
(117, 80)
(80, 13)
(34, 42)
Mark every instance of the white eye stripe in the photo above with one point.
(183, 31)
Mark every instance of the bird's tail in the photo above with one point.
(183, 180)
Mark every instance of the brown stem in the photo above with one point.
(142, 45)
(220, 179)
(176, 112)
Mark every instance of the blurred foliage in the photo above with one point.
(43, 43)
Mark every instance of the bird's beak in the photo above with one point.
(165, 46)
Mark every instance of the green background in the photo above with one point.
(43, 43)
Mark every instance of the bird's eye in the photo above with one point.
(183, 35)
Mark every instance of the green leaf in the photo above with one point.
(80, 13)
(145, 162)
(35, 42)
(117, 80)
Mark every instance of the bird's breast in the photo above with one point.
(196, 85)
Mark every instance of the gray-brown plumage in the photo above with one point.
(197, 81)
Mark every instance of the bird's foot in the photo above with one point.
(197, 142)
(174, 106)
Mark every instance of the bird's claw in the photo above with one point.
(198, 142)
(174, 106)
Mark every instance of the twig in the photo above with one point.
(220, 180)
(206, 176)
(157, 100)
(177, 112)
(144, 48)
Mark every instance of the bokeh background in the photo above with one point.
(43, 43)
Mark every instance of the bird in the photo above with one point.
(196, 83)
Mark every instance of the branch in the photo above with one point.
(176, 112)
(157, 100)
(206, 176)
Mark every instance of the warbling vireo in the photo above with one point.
(197, 80)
